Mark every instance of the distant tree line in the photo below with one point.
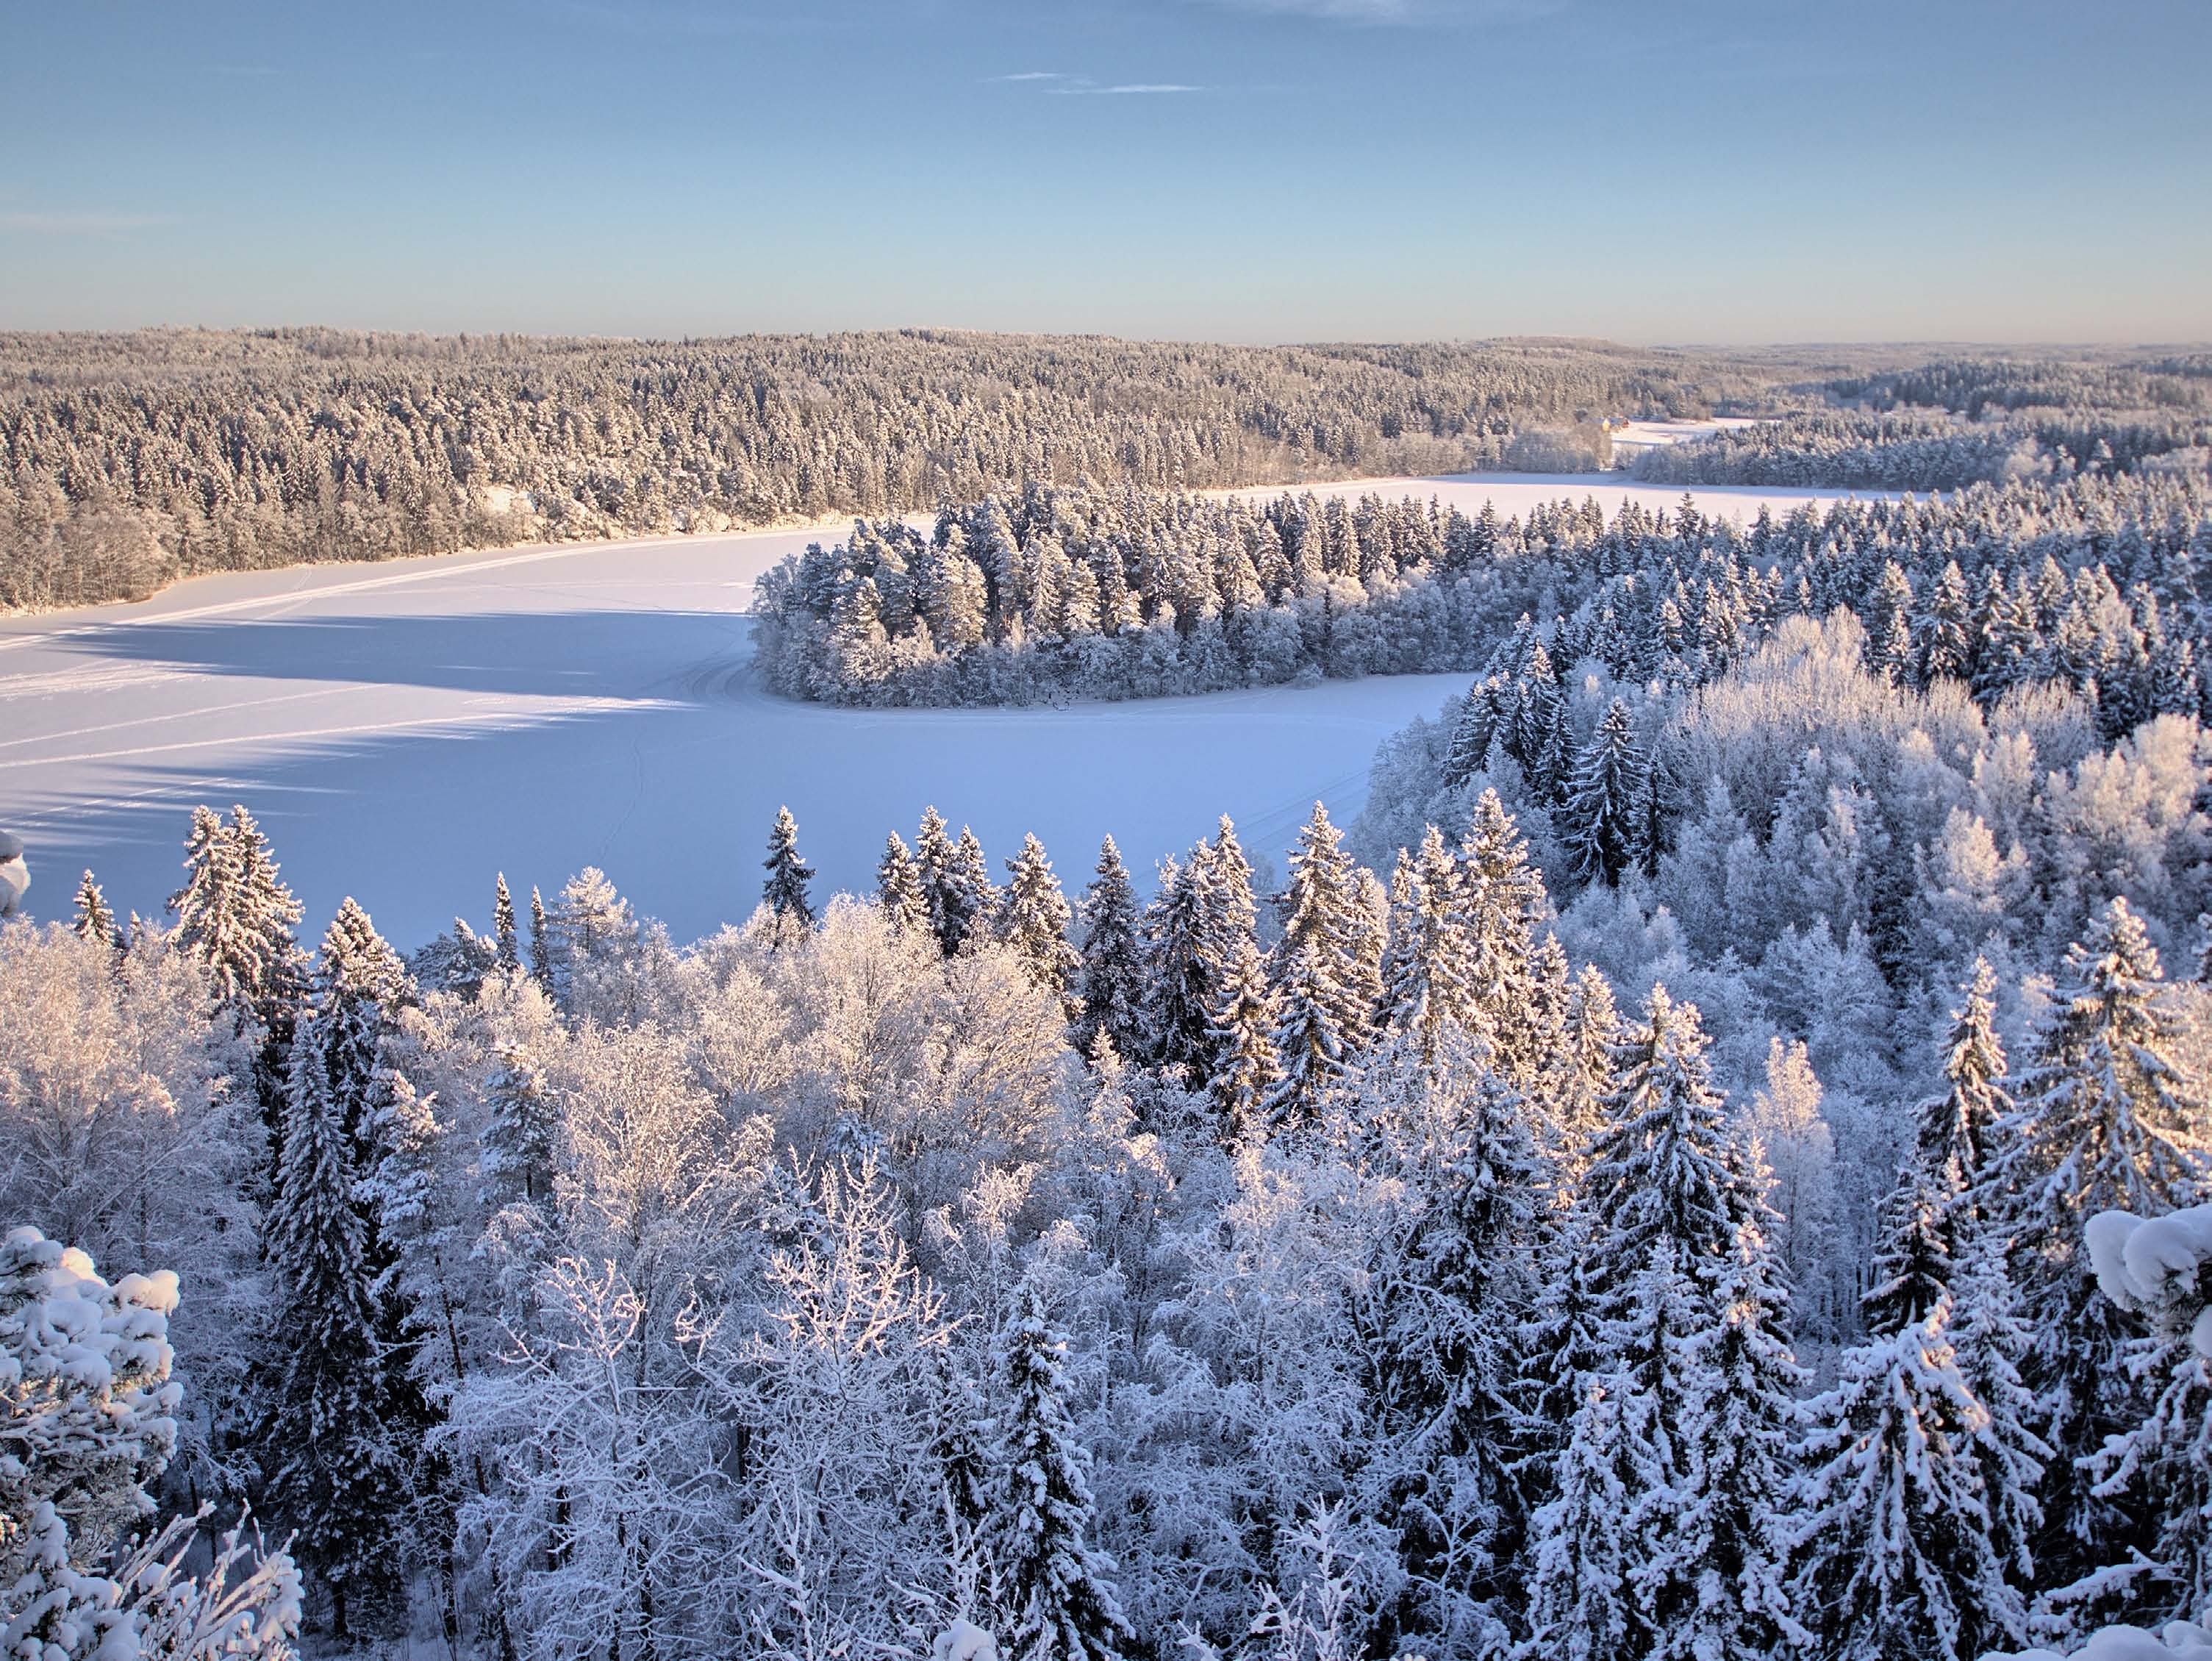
(1974, 387)
(1856, 449)
(129, 460)
(1943, 425)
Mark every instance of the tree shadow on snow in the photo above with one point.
(604, 653)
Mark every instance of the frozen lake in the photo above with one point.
(404, 731)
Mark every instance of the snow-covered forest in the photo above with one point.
(133, 459)
(130, 460)
(1385, 1267)
(1711, 1162)
(1957, 421)
(1126, 593)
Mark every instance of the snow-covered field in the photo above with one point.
(1631, 437)
(406, 730)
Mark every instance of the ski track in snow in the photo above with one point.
(405, 734)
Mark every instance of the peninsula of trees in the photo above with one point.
(1130, 594)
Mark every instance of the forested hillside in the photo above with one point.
(1958, 422)
(1712, 1163)
(127, 461)
(1403, 1267)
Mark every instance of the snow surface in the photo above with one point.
(2144, 1263)
(402, 731)
(1635, 435)
(2178, 1640)
(963, 1641)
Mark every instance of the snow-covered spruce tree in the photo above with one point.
(1230, 919)
(1659, 1170)
(977, 896)
(502, 928)
(268, 909)
(1427, 976)
(541, 943)
(1501, 905)
(1246, 1068)
(1896, 1558)
(1932, 1210)
(1955, 1138)
(1943, 628)
(1730, 1547)
(2108, 1119)
(790, 911)
(459, 961)
(1581, 1077)
(1604, 811)
(1908, 1518)
(87, 1424)
(338, 1430)
(1451, 1305)
(1672, 1260)
(95, 920)
(940, 892)
(1059, 1603)
(360, 985)
(235, 914)
(1471, 734)
(1988, 1340)
(520, 1123)
(1198, 925)
(1563, 1343)
(1177, 1009)
(1889, 625)
(1404, 992)
(899, 886)
(1582, 1606)
(2158, 1268)
(1034, 921)
(1648, 1338)
(1914, 1265)
(961, 1438)
(1700, 1344)
(1110, 984)
(1565, 1340)
(1322, 1009)
(1939, 1264)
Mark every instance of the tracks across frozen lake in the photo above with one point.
(406, 730)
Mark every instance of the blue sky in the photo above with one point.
(1650, 170)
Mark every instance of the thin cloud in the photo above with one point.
(1062, 85)
(34, 223)
(1130, 86)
